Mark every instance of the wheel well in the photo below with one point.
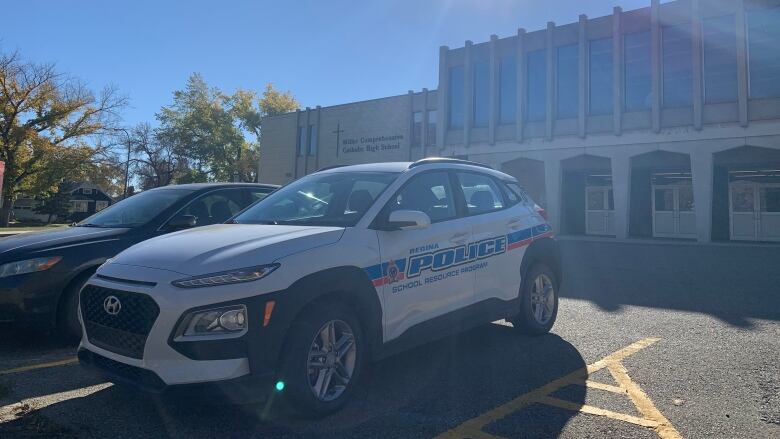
(546, 251)
(85, 273)
(348, 286)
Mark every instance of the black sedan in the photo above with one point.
(42, 273)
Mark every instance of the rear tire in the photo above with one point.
(538, 301)
(323, 359)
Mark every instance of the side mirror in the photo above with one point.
(182, 222)
(408, 220)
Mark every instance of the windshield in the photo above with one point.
(136, 210)
(334, 199)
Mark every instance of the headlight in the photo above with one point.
(227, 277)
(28, 266)
(226, 320)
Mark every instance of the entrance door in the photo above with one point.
(673, 214)
(599, 210)
(755, 211)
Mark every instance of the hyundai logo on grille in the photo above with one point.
(112, 305)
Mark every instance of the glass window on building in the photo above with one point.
(763, 37)
(299, 141)
(417, 122)
(456, 101)
(537, 85)
(312, 135)
(568, 84)
(636, 55)
(677, 65)
(720, 59)
(481, 94)
(432, 127)
(507, 90)
(600, 75)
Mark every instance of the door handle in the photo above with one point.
(459, 238)
(514, 224)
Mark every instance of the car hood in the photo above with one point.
(223, 247)
(54, 239)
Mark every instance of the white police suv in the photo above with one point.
(301, 290)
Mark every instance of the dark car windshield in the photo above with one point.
(136, 210)
(337, 199)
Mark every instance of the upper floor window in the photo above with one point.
(568, 84)
(720, 59)
(481, 94)
(312, 135)
(537, 85)
(763, 37)
(507, 90)
(600, 76)
(432, 115)
(636, 53)
(299, 141)
(456, 98)
(417, 122)
(86, 191)
(677, 65)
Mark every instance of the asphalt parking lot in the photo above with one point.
(661, 340)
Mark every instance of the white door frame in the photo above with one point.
(675, 211)
(757, 213)
(605, 210)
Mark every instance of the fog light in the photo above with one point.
(227, 320)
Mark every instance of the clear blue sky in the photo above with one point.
(325, 52)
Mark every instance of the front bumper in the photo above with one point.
(247, 388)
(30, 300)
(167, 363)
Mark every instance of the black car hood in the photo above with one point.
(54, 239)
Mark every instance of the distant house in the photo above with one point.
(85, 199)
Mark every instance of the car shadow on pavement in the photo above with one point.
(418, 393)
(731, 282)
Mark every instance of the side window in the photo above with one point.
(515, 189)
(430, 193)
(257, 194)
(215, 207)
(480, 192)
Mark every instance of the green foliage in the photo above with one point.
(54, 204)
(46, 119)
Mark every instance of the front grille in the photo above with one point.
(141, 377)
(125, 332)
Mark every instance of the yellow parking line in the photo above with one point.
(56, 363)
(651, 416)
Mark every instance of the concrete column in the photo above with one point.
(424, 137)
(550, 120)
(655, 64)
(442, 105)
(617, 72)
(295, 149)
(305, 142)
(583, 75)
(493, 99)
(521, 83)
(742, 68)
(696, 50)
(319, 136)
(552, 187)
(621, 188)
(702, 173)
(410, 123)
(468, 84)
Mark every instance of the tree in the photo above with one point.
(207, 129)
(46, 119)
(156, 160)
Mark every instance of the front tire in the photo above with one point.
(538, 301)
(67, 312)
(323, 359)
